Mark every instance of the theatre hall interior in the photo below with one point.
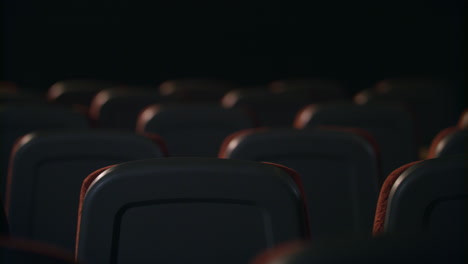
(233, 132)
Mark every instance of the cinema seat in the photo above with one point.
(316, 90)
(383, 250)
(391, 127)
(20, 96)
(17, 120)
(184, 210)
(47, 170)
(19, 251)
(192, 130)
(79, 91)
(8, 86)
(429, 196)
(434, 104)
(118, 108)
(450, 141)
(270, 108)
(338, 167)
(194, 90)
(463, 122)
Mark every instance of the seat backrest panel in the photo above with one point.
(338, 170)
(391, 127)
(426, 194)
(449, 142)
(194, 90)
(271, 109)
(17, 120)
(435, 104)
(118, 108)
(78, 91)
(425, 197)
(188, 208)
(193, 130)
(44, 185)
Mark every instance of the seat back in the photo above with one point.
(177, 210)
(433, 103)
(195, 130)
(17, 120)
(194, 90)
(18, 251)
(270, 108)
(46, 174)
(8, 86)
(118, 108)
(429, 196)
(9, 97)
(316, 90)
(338, 169)
(463, 121)
(81, 92)
(391, 127)
(450, 141)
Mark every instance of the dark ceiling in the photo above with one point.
(245, 41)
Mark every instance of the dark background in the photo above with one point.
(250, 42)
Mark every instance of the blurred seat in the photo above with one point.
(450, 141)
(7, 95)
(463, 122)
(338, 168)
(384, 250)
(118, 108)
(178, 210)
(194, 90)
(434, 104)
(80, 92)
(8, 86)
(194, 130)
(429, 196)
(18, 251)
(391, 127)
(316, 90)
(17, 120)
(15, 95)
(270, 108)
(46, 174)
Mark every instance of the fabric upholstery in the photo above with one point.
(279, 252)
(297, 180)
(325, 156)
(194, 130)
(158, 140)
(463, 122)
(381, 211)
(84, 188)
(46, 173)
(392, 127)
(148, 200)
(440, 136)
(223, 151)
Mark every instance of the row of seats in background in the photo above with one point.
(412, 111)
(338, 166)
